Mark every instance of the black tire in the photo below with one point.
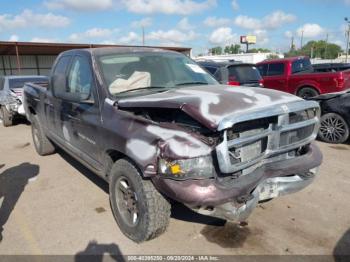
(333, 129)
(141, 212)
(307, 92)
(6, 117)
(42, 144)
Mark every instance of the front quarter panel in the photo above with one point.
(143, 141)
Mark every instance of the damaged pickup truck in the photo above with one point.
(157, 128)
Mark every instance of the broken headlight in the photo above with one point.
(194, 168)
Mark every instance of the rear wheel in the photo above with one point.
(307, 92)
(42, 144)
(333, 129)
(6, 117)
(141, 212)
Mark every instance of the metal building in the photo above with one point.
(26, 58)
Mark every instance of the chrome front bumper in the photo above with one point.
(268, 189)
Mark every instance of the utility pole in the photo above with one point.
(143, 35)
(347, 38)
(325, 51)
(301, 39)
(292, 43)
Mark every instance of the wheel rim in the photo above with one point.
(307, 94)
(126, 200)
(332, 129)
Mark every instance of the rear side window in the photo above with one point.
(276, 69)
(263, 69)
(244, 74)
(212, 70)
(301, 65)
(59, 75)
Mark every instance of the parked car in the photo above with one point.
(156, 126)
(11, 89)
(295, 75)
(331, 67)
(234, 73)
(335, 120)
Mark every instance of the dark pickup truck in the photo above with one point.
(157, 127)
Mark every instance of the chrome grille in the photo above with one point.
(292, 128)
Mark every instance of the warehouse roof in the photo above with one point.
(31, 48)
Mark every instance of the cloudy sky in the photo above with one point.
(199, 24)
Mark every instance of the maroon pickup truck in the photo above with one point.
(157, 127)
(295, 75)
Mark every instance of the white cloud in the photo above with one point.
(44, 40)
(79, 5)
(213, 21)
(14, 38)
(271, 21)
(288, 34)
(92, 33)
(247, 22)
(29, 19)
(223, 36)
(310, 30)
(235, 5)
(185, 25)
(132, 38)
(261, 36)
(172, 36)
(145, 22)
(181, 7)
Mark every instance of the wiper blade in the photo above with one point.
(192, 83)
(142, 88)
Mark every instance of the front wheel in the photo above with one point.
(42, 144)
(307, 92)
(333, 129)
(141, 212)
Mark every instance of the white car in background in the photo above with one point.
(11, 96)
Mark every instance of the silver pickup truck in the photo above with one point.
(11, 93)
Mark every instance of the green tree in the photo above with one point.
(235, 49)
(272, 56)
(319, 49)
(227, 50)
(216, 50)
(259, 50)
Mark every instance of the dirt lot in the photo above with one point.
(56, 206)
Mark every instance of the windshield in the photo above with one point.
(244, 74)
(301, 65)
(131, 72)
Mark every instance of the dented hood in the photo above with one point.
(209, 104)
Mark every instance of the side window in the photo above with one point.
(276, 69)
(212, 70)
(80, 79)
(58, 80)
(263, 69)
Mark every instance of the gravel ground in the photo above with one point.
(58, 207)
